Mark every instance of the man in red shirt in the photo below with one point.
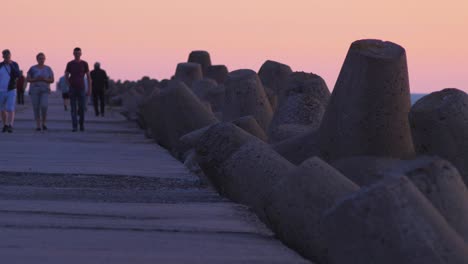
(74, 76)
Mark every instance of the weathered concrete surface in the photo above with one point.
(368, 109)
(439, 122)
(108, 195)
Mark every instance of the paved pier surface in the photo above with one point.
(109, 195)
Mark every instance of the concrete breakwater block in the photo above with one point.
(368, 109)
(201, 57)
(390, 222)
(209, 91)
(178, 112)
(250, 124)
(219, 73)
(298, 201)
(439, 125)
(299, 148)
(190, 140)
(306, 83)
(144, 108)
(274, 75)
(299, 110)
(436, 178)
(188, 72)
(240, 165)
(245, 96)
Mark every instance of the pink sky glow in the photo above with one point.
(135, 38)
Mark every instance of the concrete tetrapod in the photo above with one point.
(296, 115)
(439, 122)
(188, 73)
(390, 222)
(436, 178)
(306, 83)
(201, 57)
(274, 75)
(179, 112)
(297, 203)
(368, 109)
(245, 96)
(249, 124)
(208, 90)
(299, 148)
(240, 165)
(219, 73)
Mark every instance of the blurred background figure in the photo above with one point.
(100, 82)
(63, 87)
(20, 88)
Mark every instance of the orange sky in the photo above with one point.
(149, 37)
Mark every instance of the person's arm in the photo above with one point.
(67, 76)
(29, 78)
(50, 79)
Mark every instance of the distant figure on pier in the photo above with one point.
(100, 84)
(40, 76)
(63, 87)
(75, 72)
(9, 73)
(21, 88)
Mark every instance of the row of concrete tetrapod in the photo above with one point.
(356, 176)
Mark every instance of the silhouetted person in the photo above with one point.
(20, 88)
(74, 75)
(9, 73)
(100, 85)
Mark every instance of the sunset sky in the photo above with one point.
(135, 38)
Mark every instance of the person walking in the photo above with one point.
(74, 75)
(9, 73)
(40, 77)
(62, 86)
(20, 88)
(100, 82)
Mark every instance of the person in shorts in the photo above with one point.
(9, 74)
(65, 89)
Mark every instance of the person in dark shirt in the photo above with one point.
(75, 72)
(100, 85)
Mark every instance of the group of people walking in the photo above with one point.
(77, 84)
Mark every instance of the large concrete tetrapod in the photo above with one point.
(274, 75)
(390, 222)
(245, 96)
(201, 57)
(242, 167)
(297, 203)
(436, 178)
(219, 73)
(439, 124)
(178, 112)
(188, 72)
(368, 110)
(209, 91)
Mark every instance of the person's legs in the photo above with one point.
(101, 99)
(35, 99)
(10, 108)
(73, 109)
(3, 110)
(65, 97)
(81, 107)
(95, 102)
(44, 107)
